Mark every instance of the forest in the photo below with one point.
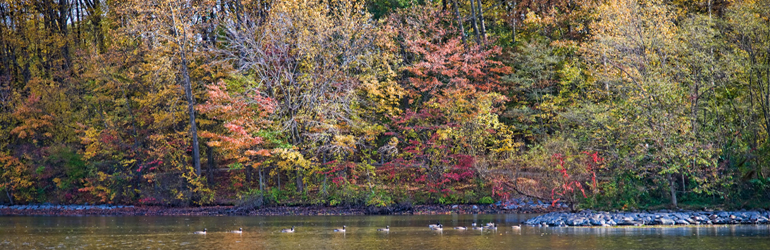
(602, 104)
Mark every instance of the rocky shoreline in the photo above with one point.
(128, 210)
(664, 217)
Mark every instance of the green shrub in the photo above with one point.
(486, 200)
(451, 198)
(251, 199)
(277, 196)
(469, 196)
(334, 200)
(379, 199)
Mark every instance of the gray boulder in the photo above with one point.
(665, 221)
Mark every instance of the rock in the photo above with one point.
(665, 221)
(682, 222)
(575, 222)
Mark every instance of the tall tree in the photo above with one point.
(307, 58)
(173, 27)
(634, 50)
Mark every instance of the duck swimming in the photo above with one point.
(461, 228)
(288, 230)
(438, 228)
(239, 231)
(386, 229)
(341, 230)
(200, 232)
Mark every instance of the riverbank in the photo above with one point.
(116, 210)
(663, 217)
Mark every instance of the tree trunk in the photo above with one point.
(261, 185)
(299, 179)
(191, 109)
(460, 22)
(369, 176)
(325, 175)
(672, 188)
(10, 197)
(210, 151)
(248, 176)
(474, 22)
(481, 20)
(133, 120)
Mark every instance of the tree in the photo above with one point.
(536, 83)
(170, 26)
(749, 34)
(450, 105)
(307, 57)
(634, 51)
(244, 118)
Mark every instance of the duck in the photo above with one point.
(239, 231)
(492, 227)
(341, 230)
(473, 224)
(489, 224)
(200, 232)
(438, 228)
(386, 229)
(516, 226)
(434, 225)
(461, 228)
(288, 230)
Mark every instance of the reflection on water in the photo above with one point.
(407, 232)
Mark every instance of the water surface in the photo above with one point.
(315, 232)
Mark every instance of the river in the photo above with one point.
(315, 232)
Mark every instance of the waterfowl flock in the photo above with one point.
(435, 227)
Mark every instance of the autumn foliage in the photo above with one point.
(603, 104)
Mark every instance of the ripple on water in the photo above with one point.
(408, 232)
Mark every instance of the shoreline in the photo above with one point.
(129, 210)
(588, 218)
(551, 217)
